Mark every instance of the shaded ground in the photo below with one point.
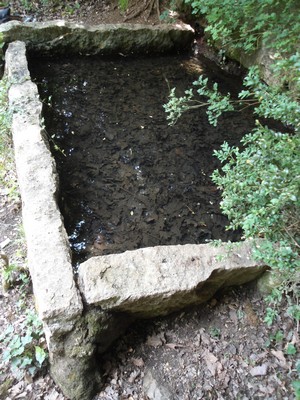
(87, 12)
(221, 350)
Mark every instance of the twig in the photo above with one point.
(157, 9)
(293, 239)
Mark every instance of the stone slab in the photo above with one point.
(156, 281)
(61, 37)
(47, 243)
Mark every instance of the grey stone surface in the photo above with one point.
(61, 37)
(47, 242)
(263, 57)
(267, 282)
(156, 281)
(154, 389)
(56, 297)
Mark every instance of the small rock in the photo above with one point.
(154, 389)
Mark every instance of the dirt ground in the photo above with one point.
(221, 350)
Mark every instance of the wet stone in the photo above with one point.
(128, 180)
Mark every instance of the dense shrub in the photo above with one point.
(260, 181)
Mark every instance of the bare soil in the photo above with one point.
(91, 12)
(221, 350)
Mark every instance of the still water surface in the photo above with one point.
(128, 180)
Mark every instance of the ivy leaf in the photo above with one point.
(40, 355)
(290, 350)
(26, 339)
(296, 386)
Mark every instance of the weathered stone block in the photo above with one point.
(156, 281)
(61, 37)
(47, 242)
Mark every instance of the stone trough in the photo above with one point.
(84, 314)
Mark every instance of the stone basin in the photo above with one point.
(83, 314)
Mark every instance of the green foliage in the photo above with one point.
(261, 191)
(215, 102)
(260, 186)
(69, 7)
(296, 387)
(287, 71)
(170, 14)
(8, 275)
(296, 383)
(279, 336)
(239, 25)
(25, 351)
(261, 180)
(269, 102)
(290, 349)
(215, 332)
(123, 5)
(272, 102)
(166, 17)
(244, 24)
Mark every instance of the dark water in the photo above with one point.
(128, 180)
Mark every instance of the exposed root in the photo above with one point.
(138, 8)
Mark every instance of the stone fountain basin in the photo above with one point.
(83, 314)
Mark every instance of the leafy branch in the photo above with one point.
(215, 102)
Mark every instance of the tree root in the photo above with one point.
(137, 9)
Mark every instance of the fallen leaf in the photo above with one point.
(295, 338)
(219, 367)
(259, 370)
(250, 314)
(16, 389)
(174, 346)
(53, 395)
(233, 316)
(280, 356)
(154, 341)
(211, 361)
(23, 395)
(205, 339)
(224, 379)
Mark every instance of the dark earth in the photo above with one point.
(221, 350)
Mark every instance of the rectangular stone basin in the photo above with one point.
(84, 314)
